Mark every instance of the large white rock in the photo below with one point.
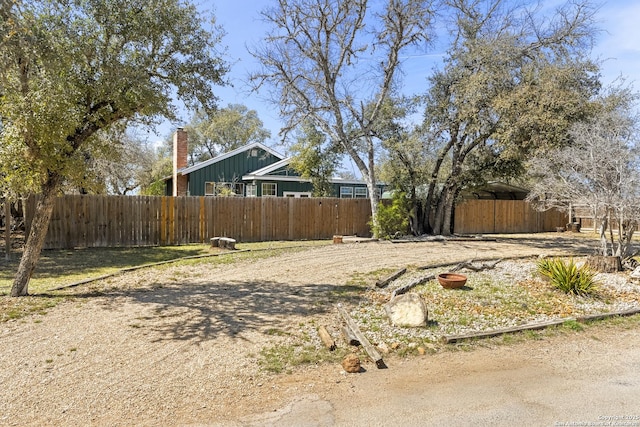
(407, 310)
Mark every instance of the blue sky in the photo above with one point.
(618, 44)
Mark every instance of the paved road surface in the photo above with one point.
(588, 379)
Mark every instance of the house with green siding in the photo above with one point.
(253, 170)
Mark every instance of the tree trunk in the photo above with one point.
(603, 234)
(417, 218)
(7, 228)
(416, 213)
(605, 264)
(448, 214)
(442, 220)
(374, 200)
(626, 229)
(37, 234)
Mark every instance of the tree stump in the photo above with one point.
(605, 264)
(573, 227)
(223, 243)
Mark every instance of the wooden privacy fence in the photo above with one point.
(504, 216)
(108, 221)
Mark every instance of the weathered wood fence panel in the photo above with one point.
(504, 216)
(108, 221)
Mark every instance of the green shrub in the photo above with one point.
(568, 277)
(393, 219)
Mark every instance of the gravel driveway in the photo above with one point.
(178, 346)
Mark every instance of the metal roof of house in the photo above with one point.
(264, 173)
(232, 153)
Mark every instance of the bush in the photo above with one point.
(568, 277)
(393, 219)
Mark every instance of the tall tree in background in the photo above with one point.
(513, 80)
(335, 62)
(73, 69)
(408, 157)
(599, 172)
(128, 167)
(315, 158)
(223, 130)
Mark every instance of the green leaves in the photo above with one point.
(568, 277)
(392, 219)
(73, 70)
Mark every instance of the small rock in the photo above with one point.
(395, 345)
(407, 310)
(351, 363)
(383, 348)
(421, 351)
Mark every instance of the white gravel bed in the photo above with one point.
(509, 295)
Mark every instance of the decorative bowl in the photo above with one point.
(452, 280)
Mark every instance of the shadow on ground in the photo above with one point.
(570, 243)
(204, 312)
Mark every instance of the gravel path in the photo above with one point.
(178, 345)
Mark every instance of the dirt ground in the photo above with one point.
(182, 349)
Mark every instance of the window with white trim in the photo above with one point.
(269, 189)
(346, 192)
(209, 188)
(229, 189)
(360, 192)
(252, 190)
(296, 194)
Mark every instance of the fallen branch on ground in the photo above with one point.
(384, 282)
(403, 289)
(469, 266)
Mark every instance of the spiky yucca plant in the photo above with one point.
(568, 277)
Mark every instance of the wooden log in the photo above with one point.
(448, 264)
(227, 243)
(469, 266)
(371, 351)
(496, 332)
(326, 338)
(349, 337)
(384, 282)
(623, 313)
(541, 325)
(223, 242)
(403, 289)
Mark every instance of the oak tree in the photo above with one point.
(598, 173)
(514, 79)
(74, 69)
(335, 62)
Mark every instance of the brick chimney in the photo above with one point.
(180, 153)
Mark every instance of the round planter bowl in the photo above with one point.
(452, 280)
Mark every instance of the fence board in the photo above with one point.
(88, 221)
(504, 216)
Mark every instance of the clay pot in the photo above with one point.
(452, 280)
